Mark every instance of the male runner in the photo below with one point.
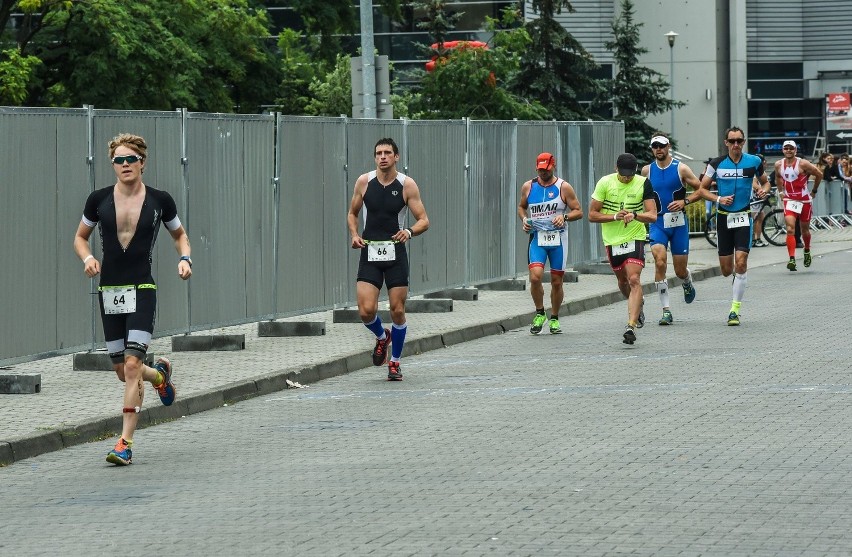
(792, 175)
(734, 174)
(129, 214)
(551, 203)
(385, 193)
(623, 203)
(669, 179)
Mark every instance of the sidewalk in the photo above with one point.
(76, 407)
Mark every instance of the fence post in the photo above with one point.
(276, 199)
(90, 161)
(185, 180)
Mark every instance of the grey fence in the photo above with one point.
(264, 200)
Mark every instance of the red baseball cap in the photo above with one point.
(545, 161)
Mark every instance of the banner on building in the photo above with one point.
(838, 121)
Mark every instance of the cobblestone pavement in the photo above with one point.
(699, 439)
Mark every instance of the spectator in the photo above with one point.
(844, 173)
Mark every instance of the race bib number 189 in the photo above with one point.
(119, 299)
(548, 238)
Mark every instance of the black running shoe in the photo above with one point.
(629, 335)
(380, 352)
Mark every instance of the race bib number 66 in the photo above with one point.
(381, 251)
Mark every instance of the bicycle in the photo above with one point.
(774, 229)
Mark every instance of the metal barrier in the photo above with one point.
(264, 200)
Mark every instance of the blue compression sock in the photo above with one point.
(376, 326)
(397, 340)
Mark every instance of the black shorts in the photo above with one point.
(636, 256)
(729, 240)
(130, 333)
(392, 273)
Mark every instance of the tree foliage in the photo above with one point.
(637, 91)
(206, 55)
(332, 95)
(555, 69)
(299, 67)
(472, 82)
(439, 22)
(16, 72)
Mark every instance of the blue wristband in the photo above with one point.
(187, 259)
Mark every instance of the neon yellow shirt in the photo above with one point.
(615, 196)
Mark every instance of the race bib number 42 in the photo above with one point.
(381, 251)
(548, 238)
(738, 220)
(119, 299)
(625, 248)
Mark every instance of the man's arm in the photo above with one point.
(418, 211)
(811, 169)
(687, 178)
(181, 240)
(523, 205)
(91, 266)
(355, 209)
(569, 196)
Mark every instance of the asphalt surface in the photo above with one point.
(700, 439)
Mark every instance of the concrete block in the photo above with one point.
(601, 268)
(99, 361)
(20, 384)
(6, 456)
(348, 315)
(506, 285)
(206, 343)
(568, 276)
(88, 431)
(40, 443)
(461, 294)
(440, 305)
(290, 328)
(242, 390)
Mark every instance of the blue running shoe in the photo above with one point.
(688, 292)
(166, 389)
(121, 455)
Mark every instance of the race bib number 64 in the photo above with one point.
(119, 299)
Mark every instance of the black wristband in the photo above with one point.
(187, 259)
(685, 201)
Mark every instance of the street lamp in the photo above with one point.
(671, 36)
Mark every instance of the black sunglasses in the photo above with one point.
(657, 145)
(129, 159)
(738, 141)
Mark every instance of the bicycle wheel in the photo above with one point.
(710, 228)
(774, 228)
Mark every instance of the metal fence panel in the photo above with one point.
(313, 269)
(260, 249)
(437, 164)
(491, 200)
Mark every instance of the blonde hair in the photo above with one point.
(135, 142)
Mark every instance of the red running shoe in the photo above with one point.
(394, 373)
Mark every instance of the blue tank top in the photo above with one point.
(544, 203)
(667, 185)
(735, 179)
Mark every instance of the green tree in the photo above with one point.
(471, 82)
(439, 22)
(637, 91)
(298, 69)
(555, 69)
(206, 55)
(332, 95)
(15, 74)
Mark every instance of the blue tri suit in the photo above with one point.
(672, 229)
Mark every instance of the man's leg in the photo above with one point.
(397, 296)
(790, 224)
(368, 310)
(739, 286)
(537, 293)
(660, 265)
(557, 296)
(805, 219)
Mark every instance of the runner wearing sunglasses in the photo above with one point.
(734, 174)
(128, 215)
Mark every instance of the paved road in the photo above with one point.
(700, 439)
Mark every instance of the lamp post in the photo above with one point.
(671, 36)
